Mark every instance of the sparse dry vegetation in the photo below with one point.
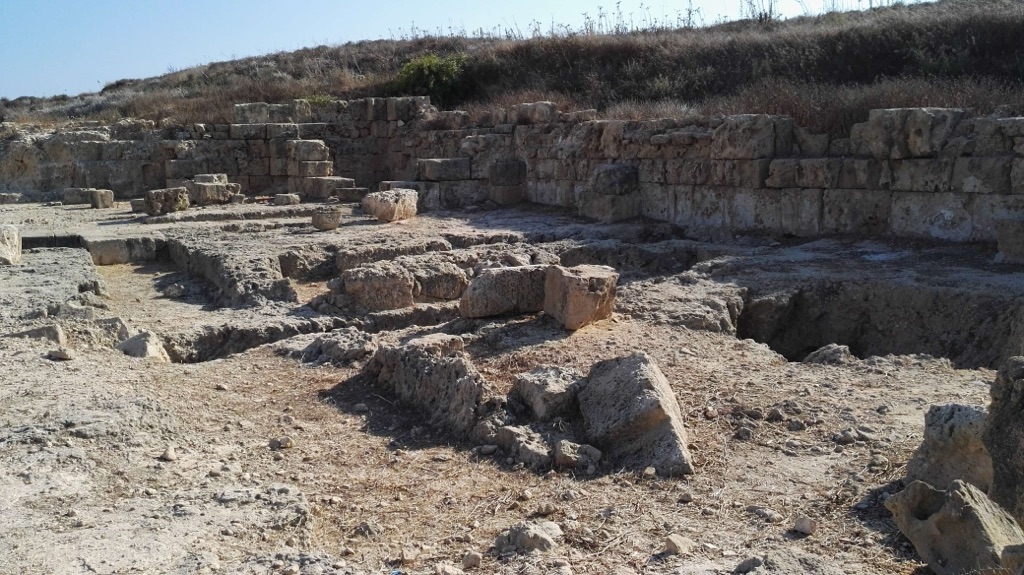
(826, 71)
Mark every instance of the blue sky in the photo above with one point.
(50, 47)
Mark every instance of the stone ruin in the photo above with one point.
(378, 163)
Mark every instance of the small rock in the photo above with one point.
(847, 437)
(60, 354)
(676, 544)
(409, 555)
(775, 415)
(472, 560)
(291, 570)
(744, 434)
(805, 525)
(361, 408)
(650, 472)
(711, 413)
(169, 454)
(487, 449)
(686, 497)
(445, 569)
(748, 565)
(220, 387)
(285, 442)
(796, 425)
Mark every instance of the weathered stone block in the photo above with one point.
(739, 173)
(75, 196)
(392, 205)
(608, 208)
(308, 151)
(252, 113)
(444, 169)
(210, 178)
(860, 174)
(310, 169)
(921, 175)
(1017, 176)
(324, 187)
(354, 195)
(327, 220)
(507, 195)
(507, 173)
(380, 286)
(286, 199)
(1010, 235)
(745, 137)
(687, 171)
(758, 211)
(581, 295)
(986, 175)
(248, 131)
(988, 209)
(782, 173)
(658, 202)
(809, 145)
(498, 291)
(926, 130)
(818, 173)
(881, 136)
(101, 199)
(548, 391)
(213, 194)
(631, 414)
(864, 212)
(958, 531)
(800, 212)
(533, 113)
(1003, 435)
(159, 202)
(615, 180)
(929, 215)
(286, 131)
(454, 195)
(10, 246)
(952, 448)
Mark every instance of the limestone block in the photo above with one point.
(1011, 127)
(429, 193)
(615, 180)
(146, 345)
(213, 194)
(507, 173)
(327, 220)
(1003, 435)
(524, 445)
(444, 169)
(498, 291)
(758, 211)
(433, 375)
(860, 174)
(248, 131)
(286, 199)
(569, 455)
(1017, 176)
(308, 151)
(581, 295)
(438, 280)
(210, 178)
(952, 448)
(782, 173)
(507, 195)
(183, 169)
(392, 205)
(988, 209)
(353, 194)
(1010, 235)
(985, 175)
(608, 208)
(881, 136)
(800, 212)
(630, 413)
(930, 215)
(744, 137)
(313, 131)
(138, 205)
(165, 201)
(10, 246)
(252, 113)
(548, 391)
(102, 198)
(818, 173)
(462, 194)
(809, 145)
(533, 113)
(324, 187)
(932, 175)
(864, 212)
(310, 169)
(380, 286)
(658, 202)
(705, 208)
(958, 531)
(927, 130)
(739, 173)
(286, 131)
(687, 171)
(75, 196)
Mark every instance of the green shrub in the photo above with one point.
(441, 78)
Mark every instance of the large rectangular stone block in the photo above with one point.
(658, 202)
(944, 216)
(252, 113)
(308, 151)
(782, 173)
(609, 208)
(932, 175)
(710, 208)
(455, 195)
(310, 169)
(987, 210)
(739, 173)
(444, 169)
(692, 172)
(861, 174)
(248, 131)
(985, 175)
(864, 212)
(800, 212)
(756, 211)
(818, 173)
(744, 137)
(282, 131)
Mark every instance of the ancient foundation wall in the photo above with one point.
(930, 173)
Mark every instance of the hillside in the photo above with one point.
(825, 71)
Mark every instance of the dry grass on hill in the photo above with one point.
(825, 71)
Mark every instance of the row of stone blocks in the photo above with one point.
(367, 109)
(448, 183)
(97, 198)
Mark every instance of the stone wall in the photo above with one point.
(929, 173)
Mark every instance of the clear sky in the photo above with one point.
(50, 47)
